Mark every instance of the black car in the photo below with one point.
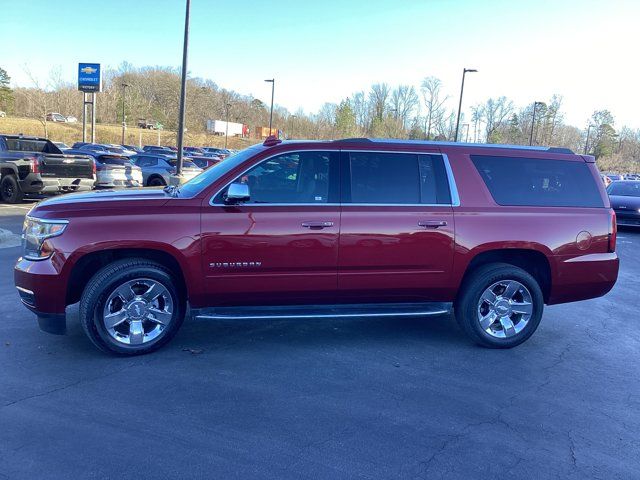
(625, 200)
(157, 149)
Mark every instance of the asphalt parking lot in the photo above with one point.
(386, 398)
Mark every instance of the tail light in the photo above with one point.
(613, 232)
(35, 165)
(95, 168)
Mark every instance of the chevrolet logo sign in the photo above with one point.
(88, 70)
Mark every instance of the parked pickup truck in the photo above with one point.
(31, 165)
(346, 228)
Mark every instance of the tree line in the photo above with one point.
(402, 111)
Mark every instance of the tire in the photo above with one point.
(155, 182)
(505, 292)
(133, 275)
(10, 190)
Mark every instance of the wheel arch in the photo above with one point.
(155, 176)
(86, 264)
(534, 261)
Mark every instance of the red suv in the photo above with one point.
(349, 228)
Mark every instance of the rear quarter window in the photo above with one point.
(538, 182)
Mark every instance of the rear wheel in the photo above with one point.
(155, 182)
(131, 307)
(10, 190)
(500, 306)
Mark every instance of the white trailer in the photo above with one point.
(220, 127)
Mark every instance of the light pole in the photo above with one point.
(293, 123)
(273, 86)
(226, 131)
(533, 121)
(175, 179)
(124, 118)
(586, 143)
(464, 73)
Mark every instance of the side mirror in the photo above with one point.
(237, 193)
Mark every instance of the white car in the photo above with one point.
(2, 114)
(72, 119)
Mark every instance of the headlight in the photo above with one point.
(35, 231)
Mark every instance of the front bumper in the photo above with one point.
(38, 184)
(627, 219)
(42, 290)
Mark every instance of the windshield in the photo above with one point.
(623, 189)
(210, 175)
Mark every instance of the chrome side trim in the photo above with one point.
(321, 315)
(453, 189)
(24, 290)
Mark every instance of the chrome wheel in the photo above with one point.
(505, 308)
(138, 311)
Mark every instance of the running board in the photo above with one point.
(323, 311)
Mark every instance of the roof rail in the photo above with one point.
(458, 144)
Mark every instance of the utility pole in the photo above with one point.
(533, 121)
(464, 73)
(124, 118)
(273, 86)
(175, 179)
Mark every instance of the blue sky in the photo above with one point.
(325, 50)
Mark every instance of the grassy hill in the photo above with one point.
(105, 133)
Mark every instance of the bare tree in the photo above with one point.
(404, 101)
(495, 113)
(378, 98)
(433, 102)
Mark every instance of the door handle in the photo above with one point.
(317, 224)
(432, 224)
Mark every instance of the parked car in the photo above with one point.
(104, 148)
(192, 151)
(56, 117)
(625, 200)
(157, 148)
(158, 168)
(614, 177)
(206, 162)
(33, 165)
(348, 228)
(113, 170)
(62, 145)
(221, 152)
(146, 124)
(132, 148)
(71, 119)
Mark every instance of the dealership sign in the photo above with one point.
(89, 77)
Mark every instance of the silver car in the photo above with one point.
(156, 169)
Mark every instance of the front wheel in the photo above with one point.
(131, 307)
(156, 182)
(500, 306)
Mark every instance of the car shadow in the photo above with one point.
(197, 335)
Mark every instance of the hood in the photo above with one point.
(621, 202)
(108, 198)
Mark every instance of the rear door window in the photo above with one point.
(538, 182)
(396, 178)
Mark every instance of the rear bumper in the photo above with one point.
(113, 179)
(37, 184)
(584, 277)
